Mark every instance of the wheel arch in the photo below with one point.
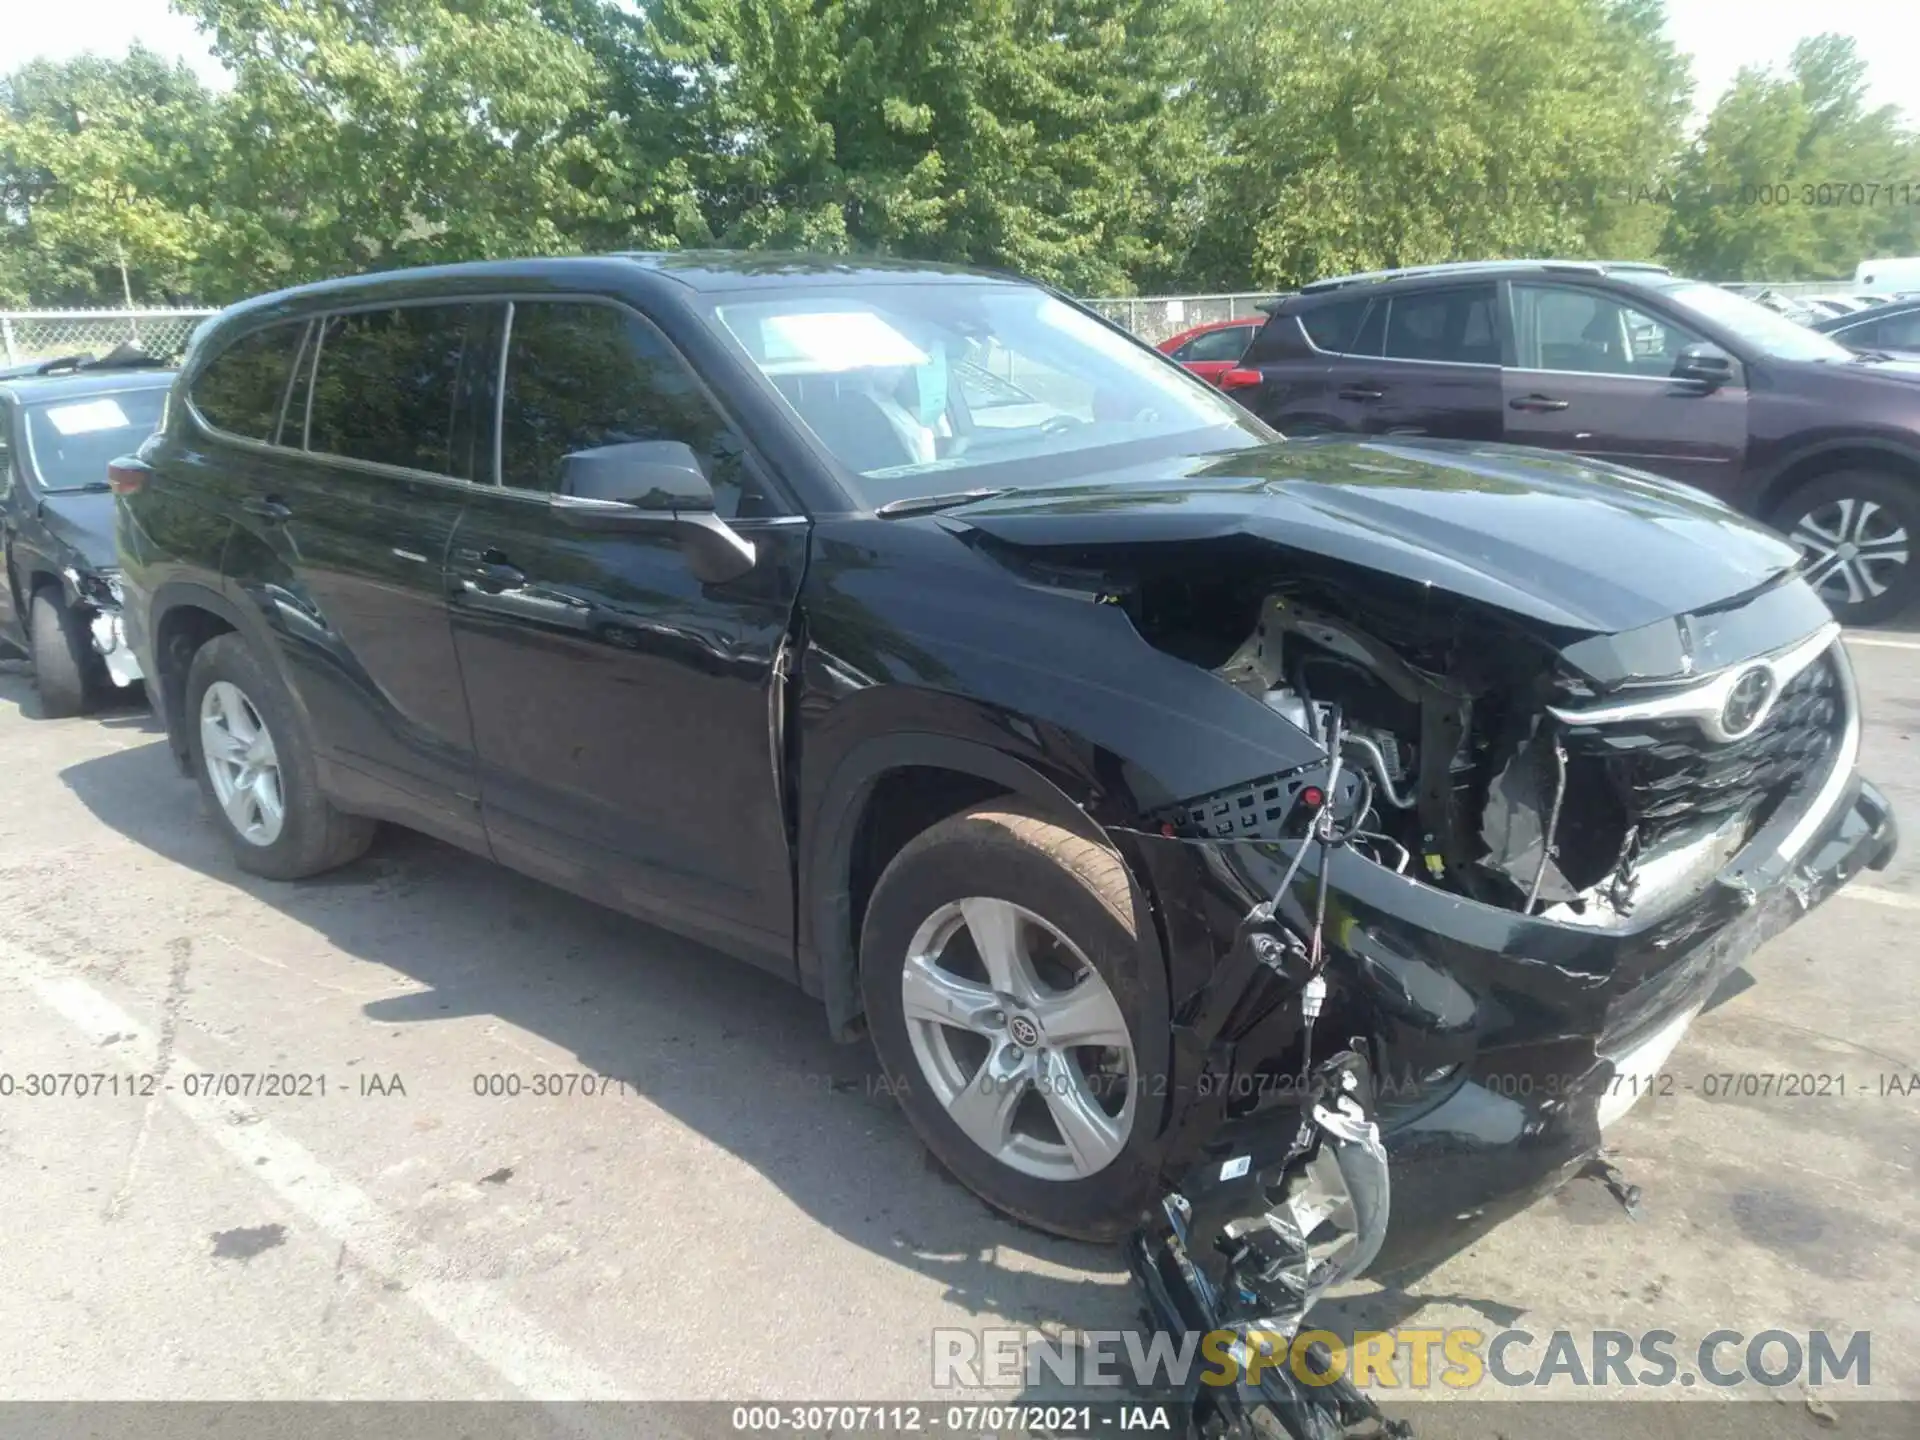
(853, 833)
(183, 616)
(1847, 453)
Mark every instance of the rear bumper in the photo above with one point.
(1495, 1038)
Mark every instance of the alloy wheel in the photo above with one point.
(1020, 1039)
(242, 763)
(1855, 550)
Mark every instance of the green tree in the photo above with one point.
(1061, 138)
(102, 164)
(1793, 177)
(362, 135)
(1359, 134)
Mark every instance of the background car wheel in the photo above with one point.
(1858, 530)
(1012, 1006)
(70, 676)
(257, 772)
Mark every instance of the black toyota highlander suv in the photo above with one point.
(918, 636)
(1624, 363)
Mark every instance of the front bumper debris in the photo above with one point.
(1476, 1048)
(100, 595)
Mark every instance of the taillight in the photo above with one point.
(126, 475)
(1239, 378)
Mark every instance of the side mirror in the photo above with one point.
(652, 485)
(646, 474)
(1706, 365)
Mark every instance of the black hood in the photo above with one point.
(84, 522)
(1581, 546)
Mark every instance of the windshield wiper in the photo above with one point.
(1873, 357)
(927, 504)
(92, 487)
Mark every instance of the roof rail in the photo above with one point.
(1474, 267)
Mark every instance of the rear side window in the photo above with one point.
(387, 383)
(1895, 332)
(1457, 325)
(242, 390)
(585, 375)
(1332, 327)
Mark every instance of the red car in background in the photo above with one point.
(1211, 350)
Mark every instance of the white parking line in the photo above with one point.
(1854, 638)
(1873, 895)
(505, 1339)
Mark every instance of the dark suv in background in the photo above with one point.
(61, 422)
(1625, 363)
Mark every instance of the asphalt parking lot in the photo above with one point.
(740, 1214)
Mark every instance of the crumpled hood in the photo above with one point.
(85, 522)
(1578, 545)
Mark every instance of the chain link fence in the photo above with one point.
(1155, 317)
(27, 336)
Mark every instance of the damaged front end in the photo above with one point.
(96, 596)
(1519, 867)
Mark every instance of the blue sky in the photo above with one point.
(1719, 36)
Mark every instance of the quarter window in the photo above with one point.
(1332, 327)
(581, 376)
(1458, 326)
(1556, 328)
(387, 383)
(242, 390)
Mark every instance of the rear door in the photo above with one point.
(1424, 362)
(624, 712)
(1592, 374)
(341, 536)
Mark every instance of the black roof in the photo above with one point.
(703, 270)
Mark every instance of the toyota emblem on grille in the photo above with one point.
(1746, 702)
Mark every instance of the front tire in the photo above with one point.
(1018, 1018)
(1860, 533)
(257, 772)
(70, 676)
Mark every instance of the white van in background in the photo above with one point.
(1895, 276)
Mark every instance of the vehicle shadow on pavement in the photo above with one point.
(737, 1055)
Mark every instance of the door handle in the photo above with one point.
(268, 508)
(1536, 402)
(1359, 392)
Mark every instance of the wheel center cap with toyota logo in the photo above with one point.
(1025, 1033)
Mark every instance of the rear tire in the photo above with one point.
(70, 676)
(1860, 532)
(1054, 1162)
(277, 824)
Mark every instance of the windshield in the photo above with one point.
(923, 389)
(1767, 331)
(73, 440)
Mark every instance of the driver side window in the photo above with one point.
(1558, 328)
(582, 375)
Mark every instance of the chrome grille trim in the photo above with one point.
(1705, 703)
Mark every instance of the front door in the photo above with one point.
(1594, 375)
(1425, 362)
(622, 709)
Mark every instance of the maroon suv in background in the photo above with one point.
(1630, 364)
